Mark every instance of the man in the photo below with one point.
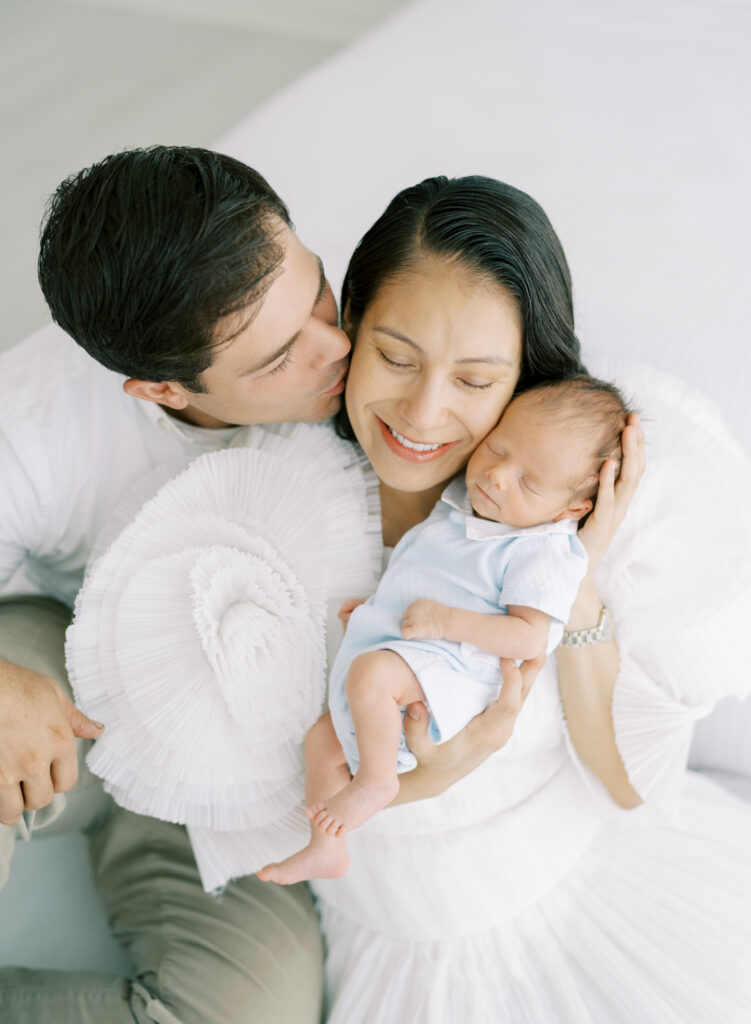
(178, 271)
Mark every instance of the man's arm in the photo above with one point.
(522, 634)
(38, 723)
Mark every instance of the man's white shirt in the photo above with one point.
(71, 443)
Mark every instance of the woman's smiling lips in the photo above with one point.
(409, 453)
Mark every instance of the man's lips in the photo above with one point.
(409, 453)
(338, 387)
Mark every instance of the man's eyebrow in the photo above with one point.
(288, 344)
(492, 360)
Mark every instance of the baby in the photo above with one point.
(500, 556)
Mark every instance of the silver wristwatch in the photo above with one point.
(599, 634)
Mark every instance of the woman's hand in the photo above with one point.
(347, 608)
(441, 765)
(613, 499)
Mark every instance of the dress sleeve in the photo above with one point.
(677, 578)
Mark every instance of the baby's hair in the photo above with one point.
(591, 408)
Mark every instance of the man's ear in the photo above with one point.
(576, 511)
(161, 392)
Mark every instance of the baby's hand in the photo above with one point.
(426, 620)
(347, 608)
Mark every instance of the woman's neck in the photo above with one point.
(401, 510)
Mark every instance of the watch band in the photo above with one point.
(599, 634)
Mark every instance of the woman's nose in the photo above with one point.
(423, 407)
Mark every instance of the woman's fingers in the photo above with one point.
(613, 498)
(416, 723)
(632, 466)
(493, 728)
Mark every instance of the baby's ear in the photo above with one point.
(576, 511)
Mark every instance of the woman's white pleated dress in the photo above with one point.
(522, 895)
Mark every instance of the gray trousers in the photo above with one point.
(251, 956)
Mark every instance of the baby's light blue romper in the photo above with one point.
(465, 562)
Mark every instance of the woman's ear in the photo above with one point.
(161, 392)
(576, 511)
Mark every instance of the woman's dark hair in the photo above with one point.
(143, 254)
(492, 228)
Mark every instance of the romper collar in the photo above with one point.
(457, 498)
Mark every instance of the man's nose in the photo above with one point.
(330, 342)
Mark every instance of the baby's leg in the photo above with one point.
(326, 771)
(379, 683)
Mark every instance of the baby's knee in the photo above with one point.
(365, 672)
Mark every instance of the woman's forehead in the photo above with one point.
(443, 304)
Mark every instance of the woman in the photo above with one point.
(521, 893)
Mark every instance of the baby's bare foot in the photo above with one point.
(308, 863)
(351, 806)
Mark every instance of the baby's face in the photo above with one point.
(525, 471)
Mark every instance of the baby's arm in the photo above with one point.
(522, 634)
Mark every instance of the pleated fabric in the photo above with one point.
(199, 635)
(651, 925)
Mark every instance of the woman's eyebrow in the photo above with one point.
(492, 360)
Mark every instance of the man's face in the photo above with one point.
(288, 362)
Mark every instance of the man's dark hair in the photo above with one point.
(143, 253)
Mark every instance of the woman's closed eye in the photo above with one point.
(390, 361)
(475, 385)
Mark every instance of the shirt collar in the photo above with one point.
(457, 498)
(159, 415)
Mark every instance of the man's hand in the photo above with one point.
(38, 730)
(426, 620)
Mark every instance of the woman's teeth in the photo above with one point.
(413, 444)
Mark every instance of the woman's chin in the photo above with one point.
(413, 478)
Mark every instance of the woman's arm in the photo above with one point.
(440, 766)
(587, 674)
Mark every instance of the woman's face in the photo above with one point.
(436, 360)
